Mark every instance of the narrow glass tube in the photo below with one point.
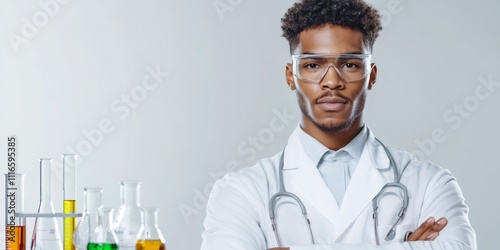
(46, 230)
(69, 193)
(15, 227)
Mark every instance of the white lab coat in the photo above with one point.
(238, 207)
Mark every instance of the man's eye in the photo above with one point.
(312, 66)
(350, 66)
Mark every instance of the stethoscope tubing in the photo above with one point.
(395, 184)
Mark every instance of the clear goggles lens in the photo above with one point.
(313, 68)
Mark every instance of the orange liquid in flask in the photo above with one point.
(150, 245)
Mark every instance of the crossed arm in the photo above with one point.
(232, 220)
(428, 231)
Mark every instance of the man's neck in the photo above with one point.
(333, 140)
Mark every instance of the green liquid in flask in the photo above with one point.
(102, 246)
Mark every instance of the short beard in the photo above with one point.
(331, 127)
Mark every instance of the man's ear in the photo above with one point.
(373, 76)
(290, 80)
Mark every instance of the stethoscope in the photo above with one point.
(395, 184)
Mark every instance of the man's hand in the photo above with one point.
(429, 230)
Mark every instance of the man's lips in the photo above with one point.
(332, 103)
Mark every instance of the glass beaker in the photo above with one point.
(69, 196)
(150, 237)
(92, 201)
(46, 230)
(128, 219)
(103, 237)
(15, 227)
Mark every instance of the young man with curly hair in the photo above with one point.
(336, 186)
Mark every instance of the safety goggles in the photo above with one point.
(313, 67)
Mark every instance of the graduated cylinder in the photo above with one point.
(69, 193)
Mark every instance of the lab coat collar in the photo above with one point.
(365, 182)
(307, 182)
(378, 157)
(316, 151)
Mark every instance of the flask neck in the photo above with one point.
(93, 220)
(93, 199)
(150, 229)
(150, 218)
(130, 193)
(45, 180)
(105, 217)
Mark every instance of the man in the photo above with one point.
(338, 186)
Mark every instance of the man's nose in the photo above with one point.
(331, 79)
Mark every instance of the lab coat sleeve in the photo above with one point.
(442, 198)
(231, 221)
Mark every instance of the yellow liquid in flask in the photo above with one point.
(150, 245)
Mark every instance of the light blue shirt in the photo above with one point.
(336, 167)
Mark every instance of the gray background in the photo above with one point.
(225, 85)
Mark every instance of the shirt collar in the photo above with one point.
(315, 150)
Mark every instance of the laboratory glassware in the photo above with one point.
(46, 230)
(150, 237)
(128, 219)
(92, 201)
(69, 193)
(103, 236)
(15, 227)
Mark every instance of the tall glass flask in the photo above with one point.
(92, 197)
(103, 237)
(15, 227)
(150, 237)
(46, 230)
(69, 193)
(128, 219)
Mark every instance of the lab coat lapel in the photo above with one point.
(307, 181)
(365, 183)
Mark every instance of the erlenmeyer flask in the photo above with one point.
(92, 197)
(46, 230)
(128, 219)
(103, 237)
(150, 237)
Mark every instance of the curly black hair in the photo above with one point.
(309, 14)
